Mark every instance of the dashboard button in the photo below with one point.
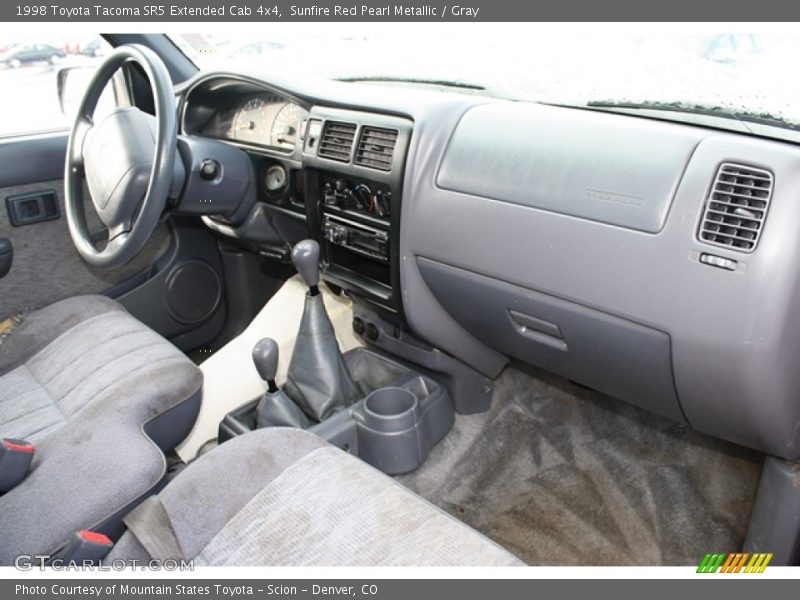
(718, 261)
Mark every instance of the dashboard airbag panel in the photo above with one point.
(604, 168)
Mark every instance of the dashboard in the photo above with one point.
(654, 261)
(319, 171)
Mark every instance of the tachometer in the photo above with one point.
(251, 122)
(286, 126)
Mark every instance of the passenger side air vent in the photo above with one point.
(337, 141)
(737, 207)
(376, 148)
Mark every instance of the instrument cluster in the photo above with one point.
(262, 119)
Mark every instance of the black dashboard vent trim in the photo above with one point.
(337, 141)
(376, 148)
(737, 207)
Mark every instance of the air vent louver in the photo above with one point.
(337, 141)
(737, 207)
(376, 148)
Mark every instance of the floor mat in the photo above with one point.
(561, 475)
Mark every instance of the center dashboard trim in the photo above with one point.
(379, 286)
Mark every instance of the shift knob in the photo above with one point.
(305, 256)
(265, 358)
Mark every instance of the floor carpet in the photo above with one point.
(562, 475)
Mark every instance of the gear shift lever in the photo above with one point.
(305, 256)
(275, 408)
(265, 358)
(318, 379)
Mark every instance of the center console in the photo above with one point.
(388, 402)
(364, 401)
(353, 163)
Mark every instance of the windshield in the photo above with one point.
(721, 72)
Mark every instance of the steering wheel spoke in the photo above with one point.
(80, 131)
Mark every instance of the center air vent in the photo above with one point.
(337, 141)
(737, 207)
(376, 148)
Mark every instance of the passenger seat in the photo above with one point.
(283, 496)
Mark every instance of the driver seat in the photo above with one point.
(102, 397)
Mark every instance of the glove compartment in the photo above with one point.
(616, 356)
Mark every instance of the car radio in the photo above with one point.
(356, 216)
(356, 237)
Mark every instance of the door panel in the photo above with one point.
(32, 158)
(175, 285)
(46, 266)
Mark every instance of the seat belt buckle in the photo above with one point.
(16, 457)
(86, 547)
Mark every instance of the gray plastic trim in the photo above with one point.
(588, 165)
(623, 359)
(471, 391)
(323, 114)
(734, 333)
(775, 522)
(32, 158)
(394, 442)
(6, 256)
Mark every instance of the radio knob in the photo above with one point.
(336, 234)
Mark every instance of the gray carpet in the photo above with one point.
(561, 475)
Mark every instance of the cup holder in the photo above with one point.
(391, 409)
(393, 428)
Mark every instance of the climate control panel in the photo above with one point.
(357, 196)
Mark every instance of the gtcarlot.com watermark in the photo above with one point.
(29, 562)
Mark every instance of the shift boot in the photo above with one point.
(318, 379)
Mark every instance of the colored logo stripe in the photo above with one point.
(758, 563)
(711, 563)
(734, 562)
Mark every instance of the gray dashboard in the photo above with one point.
(570, 239)
(716, 324)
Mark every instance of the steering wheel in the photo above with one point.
(128, 160)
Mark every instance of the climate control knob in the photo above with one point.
(383, 202)
(364, 198)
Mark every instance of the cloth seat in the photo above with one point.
(102, 396)
(283, 496)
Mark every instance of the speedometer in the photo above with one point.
(286, 126)
(251, 122)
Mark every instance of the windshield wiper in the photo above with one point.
(742, 115)
(414, 80)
